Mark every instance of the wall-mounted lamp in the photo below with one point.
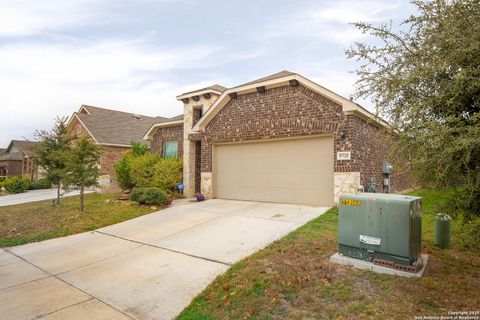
(342, 133)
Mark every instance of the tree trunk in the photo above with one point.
(81, 198)
(58, 194)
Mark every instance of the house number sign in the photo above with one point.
(343, 155)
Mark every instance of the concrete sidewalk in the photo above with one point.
(150, 267)
(34, 196)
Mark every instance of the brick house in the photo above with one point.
(16, 160)
(281, 138)
(113, 131)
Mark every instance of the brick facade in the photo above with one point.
(12, 167)
(174, 133)
(287, 112)
(110, 154)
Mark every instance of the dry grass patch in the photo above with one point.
(38, 221)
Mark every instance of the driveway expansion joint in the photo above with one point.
(63, 308)
(165, 248)
(69, 284)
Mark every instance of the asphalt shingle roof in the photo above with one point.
(216, 87)
(21, 147)
(11, 156)
(117, 127)
(280, 74)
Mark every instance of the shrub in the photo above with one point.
(122, 168)
(122, 173)
(41, 184)
(168, 173)
(142, 169)
(468, 233)
(16, 184)
(149, 195)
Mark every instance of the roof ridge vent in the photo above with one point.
(136, 116)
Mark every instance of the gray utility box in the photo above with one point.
(380, 226)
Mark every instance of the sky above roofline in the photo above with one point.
(138, 56)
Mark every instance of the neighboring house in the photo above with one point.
(281, 138)
(113, 131)
(17, 159)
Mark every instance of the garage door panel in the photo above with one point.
(290, 171)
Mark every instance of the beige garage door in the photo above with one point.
(290, 171)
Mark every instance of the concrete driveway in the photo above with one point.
(34, 195)
(146, 268)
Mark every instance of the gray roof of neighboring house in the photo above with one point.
(176, 118)
(11, 156)
(216, 87)
(113, 127)
(21, 146)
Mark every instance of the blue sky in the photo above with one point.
(136, 56)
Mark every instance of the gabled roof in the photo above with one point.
(172, 122)
(279, 79)
(277, 75)
(21, 147)
(112, 127)
(16, 156)
(216, 88)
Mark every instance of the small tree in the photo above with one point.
(51, 152)
(82, 166)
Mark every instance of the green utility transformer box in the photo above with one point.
(380, 226)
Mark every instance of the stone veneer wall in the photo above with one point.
(288, 111)
(174, 133)
(189, 154)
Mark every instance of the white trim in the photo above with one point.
(151, 131)
(198, 93)
(347, 105)
(83, 107)
(115, 145)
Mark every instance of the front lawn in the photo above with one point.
(294, 279)
(38, 221)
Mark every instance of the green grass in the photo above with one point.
(294, 279)
(31, 222)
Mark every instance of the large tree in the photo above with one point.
(82, 169)
(52, 152)
(424, 76)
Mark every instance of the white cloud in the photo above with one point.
(96, 62)
(330, 21)
(40, 81)
(24, 17)
(29, 17)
